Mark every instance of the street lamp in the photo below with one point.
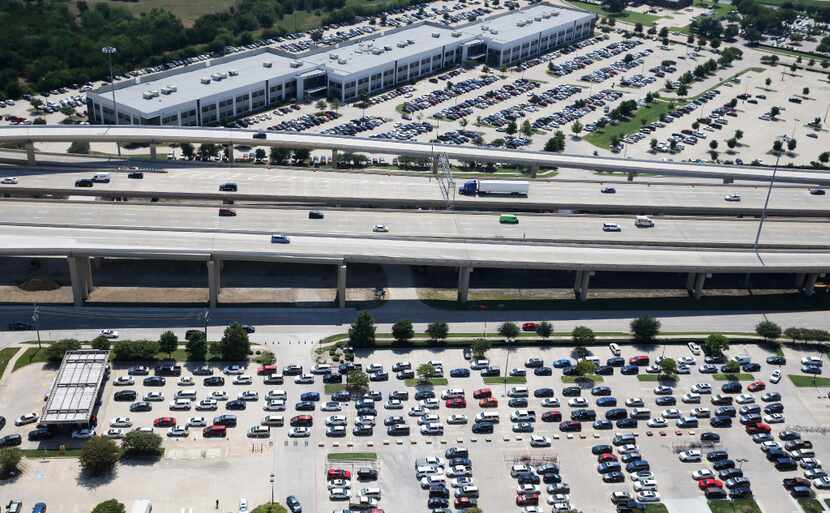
(766, 203)
(109, 51)
(273, 480)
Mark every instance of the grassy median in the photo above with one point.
(6, 356)
(734, 506)
(509, 380)
(352, 456)
(736, 376)
(802, 380)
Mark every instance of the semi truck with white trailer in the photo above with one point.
(495, 187)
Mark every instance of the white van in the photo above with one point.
(371, 492)
(520, 391)
(615, 349)
(490, 417)
(643, 222)
(142, 506)
(452, 393)
(101, 178)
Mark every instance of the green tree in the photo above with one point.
(713, 144)
(9, 460)
(141, 444)
(402, 331)
(301, 154)
(425, 371)
(791, 144)
(187, 150)
(234, 345)
(99, 456)
(509, 330)
(260, 154)
(645, 328)
(511, 128)
(777, 146)
(556, 143)
(683, 90)
(824, 157)
(527, 130)
(715, 344)
(110, 506)
(768, 329)
(739, 134)
(279, 155)
(794, 334)
(321, 105)
(438, 330)
(731, 367)
(544, 329)
(668, 367)
(357, 380)
(362, 331)
(79, 147)
(56, 350)
(585, 367)
(653, 144)
(805, 91)
(196, 347)
(480, 346)
(168, 343)
(768, 81)
(731, 143)
(101, 343)
(638, 28)
(582, 335)
(576, 128)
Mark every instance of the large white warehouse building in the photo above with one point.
(225, 88)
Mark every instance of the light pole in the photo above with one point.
(766, 202)
(109, 51)
(35, 318)
(273, 480)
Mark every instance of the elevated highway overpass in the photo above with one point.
(153, 135)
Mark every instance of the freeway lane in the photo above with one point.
(393, 191)
(153, 134)
(22, 240)
(675, 232)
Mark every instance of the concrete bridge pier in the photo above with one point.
(464, 283)
(694, 284)
(214, 281)
(809, 286)
(631, 176)
(154, 151)
(341, 286)
(80, 276)
(534, 170)
(799, 280)
(229, 152)
(30, 153)
(728, 180)
(581, 282)
(334, 157)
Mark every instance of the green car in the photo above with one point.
(508, 219)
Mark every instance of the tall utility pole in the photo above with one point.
(766, 202)
(109, 51)
(205, 317)
(35, 318)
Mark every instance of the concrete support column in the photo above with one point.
(799, 280)
(153, 151)
(729, 180)
(341, 286)
(98, 263)
(700, 279)
(435, 166)
(229, 147)
(86, 263)
(464, 283)
(631, 176)
(809, 287)
(334, 157)
(30, 153)
(214, 282)
(78, 271)
(534, 170)
(581, 283)
(690, 283)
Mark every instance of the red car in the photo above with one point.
(570, 425)
(302, 420)
(758, 427)
(756, 386)
(640, 359)
(552, 416)
(164, 422)
(489, 402)
(338, 473)
(709, 483)
(607, 456)
(527, 500)
(464, 502)
(266, 370)
(529, 326)
(215, 431)
(482, 393)
(458, 402)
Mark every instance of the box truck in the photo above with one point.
(505, 187)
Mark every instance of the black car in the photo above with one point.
(293, 504)
(716, 455)
(482, 428)
(708, 436)
(214, 381)
(725, 411)
(315, 214)
(771, 397)
(292, 370)
(11, 440)
(458, 373)
(609, 466)
(490, 372)
(774, 408)
(789, 435)
(732, 387)
(236, 404)
(607, 401)
(776, 360)
(84, 182)
(719, 465)
(260, 135)
(367, 474)
(730, 473)
(202, 370)
(616, 414)
(572, 391)
(665, 400)
(713, 492)
(39, 434)
(602, 424)
(613, 477)
(604, 370)
(169, 369)
(630, 370)
(424, 394)
(583, 415)
(801, 491)
(125, 395)
(601, 449)
(628, 423)
(154, 381)
(543, 371)
(228, 187)
(615, 361)
(784, 464)
(274, 379)
(437, 502)
(403, 430)
(517, 402)
(543, 392)
(141, 406)
(20, 326)
(343, 396)
(225, 420)
(135, 174)
(304, 406)
(529, 478)
(332, 378)
(362, 430)
(751, 367)
(601, 391)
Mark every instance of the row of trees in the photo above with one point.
(99, 454)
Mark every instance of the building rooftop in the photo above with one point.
(517, 24)
(76, 388)
(198, 81)
(388, 47)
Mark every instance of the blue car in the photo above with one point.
(40, 507)
(543, 371)
(607, 401)
(310, 396)
(811, 369)
(630, 370)
(562, 363)
(460, 373)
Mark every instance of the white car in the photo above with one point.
(28, 418)
(528, 488)
(550, 402)
(219, 395)
(339, 483)
(380, 228)
(615, 349)
(299, 432)
(775, 377)
(339, 494)
(123, 381)
(336, 420)
(633, 402)
(458, 471)
(279, 405)
(329, 406)
(822, 483)
(703, 473)
(430, 403)
(627, 448)
(691, 398)
(663, 390)
(178, 432)
(9, 180)
(701, 413)
(154, 396)
(207, 405)
(180, 404)
(769, 444)
(702, 388)
(114, 433)
(243, 505)
(811, 360)
(694, 348)
(690, 456)
(416, 411)
(577, 402)
(671, 413)
(233, 369)
(656, 422)
(243, 379)
(539, 441)
(432, 429)
(121, 422)
(643, 474)
(732, 197)
(686, 360)
(108, 333)
(186, 381)
(645, 484)
(744, 399)
(196, 422)
(648, 496)
(457, 418)
(83, 434)
(774, 418)
(393, 404)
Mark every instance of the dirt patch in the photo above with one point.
(14, 294)
(443, 294)
(148, 295)
(39, 284)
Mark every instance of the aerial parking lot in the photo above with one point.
(505, 446)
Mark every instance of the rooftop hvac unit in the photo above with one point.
(387, 48)
(341, 61)
(296, 64)
(233, 72)
(377, 51)
(555, 13)
(436, 35)
(267, 64)
(485, 28)
(148, 95)
(402, 44)
(538, 18)
(494, 31)
(205, 80)
(216, 76)
(456, 34)
(333, 56)
(168, 90)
